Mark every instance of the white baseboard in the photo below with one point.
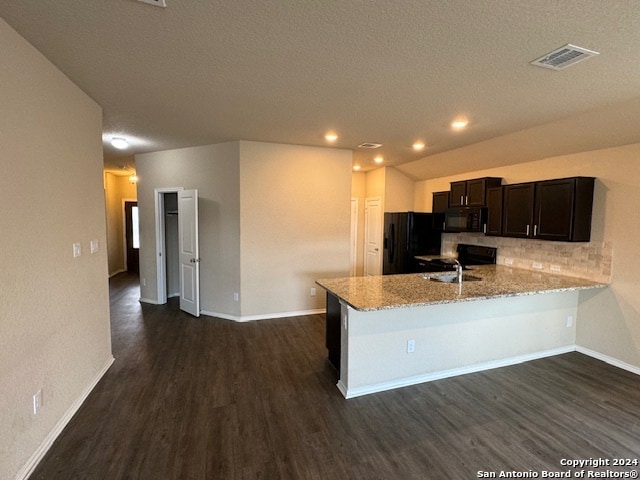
(268, 316)
(44, 447)
(430, 377)
(610, 360)
(148, 300)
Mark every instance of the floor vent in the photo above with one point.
(369, 145)
(564, 57)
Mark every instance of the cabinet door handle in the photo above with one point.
(484, 228)
(466, 199)
(461, 199)
(527, 230)
(535, 230)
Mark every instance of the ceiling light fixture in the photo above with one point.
(119, 143)
(331, 137)
(378, 159)
(418, 146)
(133, 179)
(357, 167)
(459, 124)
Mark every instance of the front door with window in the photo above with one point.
(132, 236)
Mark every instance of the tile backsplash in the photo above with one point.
(591, 260)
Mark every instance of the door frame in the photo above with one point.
(161, 269)
(354, 236)
(124, 230)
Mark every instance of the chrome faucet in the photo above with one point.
(458, 271)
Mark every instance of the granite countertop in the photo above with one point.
(413, 290)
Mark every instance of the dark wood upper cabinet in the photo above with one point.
(557, 210)
(517, 209)
(472, 193)
(494, 211)
(563, 209)
(439, 206)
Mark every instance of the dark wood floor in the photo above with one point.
(207, 398)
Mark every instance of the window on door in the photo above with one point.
(135, 228)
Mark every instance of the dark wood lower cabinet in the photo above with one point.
(332, 335)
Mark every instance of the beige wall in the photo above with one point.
(399, 191)
(295, 224)
(214, 171)
(117, 188)
(54, 308)
(273, 219)
(608, 320)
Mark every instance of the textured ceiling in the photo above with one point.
(391, 72)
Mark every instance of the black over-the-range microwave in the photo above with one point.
(465, 219)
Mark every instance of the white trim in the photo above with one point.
(161, 277)
(269, 316)
(607, 359)
(429, 377)
(353, 241)
(116, 273)
(44, 447)
(148, 300)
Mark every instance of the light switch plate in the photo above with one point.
(95, 246)
(77, 250)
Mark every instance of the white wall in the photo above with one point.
(295, 226)
(608, 321)
(54, 308)
(214, 171)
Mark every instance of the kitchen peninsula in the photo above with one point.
(390, 331)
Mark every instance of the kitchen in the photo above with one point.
(464, 327)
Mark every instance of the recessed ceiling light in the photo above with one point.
(378, 159)
(331, 137)
(459, 124)
(418, 146)
(357, 167)
(370, 145)
(119, 143)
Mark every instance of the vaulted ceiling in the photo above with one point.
(383, 71)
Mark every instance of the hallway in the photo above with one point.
(205, 398)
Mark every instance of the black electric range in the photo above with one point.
(467, 255)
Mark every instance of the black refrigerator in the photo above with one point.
(407, 234)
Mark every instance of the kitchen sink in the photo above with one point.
(449, 277)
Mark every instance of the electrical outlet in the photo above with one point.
(411, 346)
(313, 291)
(236, 297)
(569, 321)
(537, 265)
(143, 282)
(77, 250)
(554, 268)
(37, 402)
(95, 246)
(508, 261)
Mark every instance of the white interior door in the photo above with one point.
(189, 251)
(373, 236)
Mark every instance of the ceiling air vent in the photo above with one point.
(157, 3)
(564, 57)
(369, 145)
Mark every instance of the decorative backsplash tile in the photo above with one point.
(590, 260)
